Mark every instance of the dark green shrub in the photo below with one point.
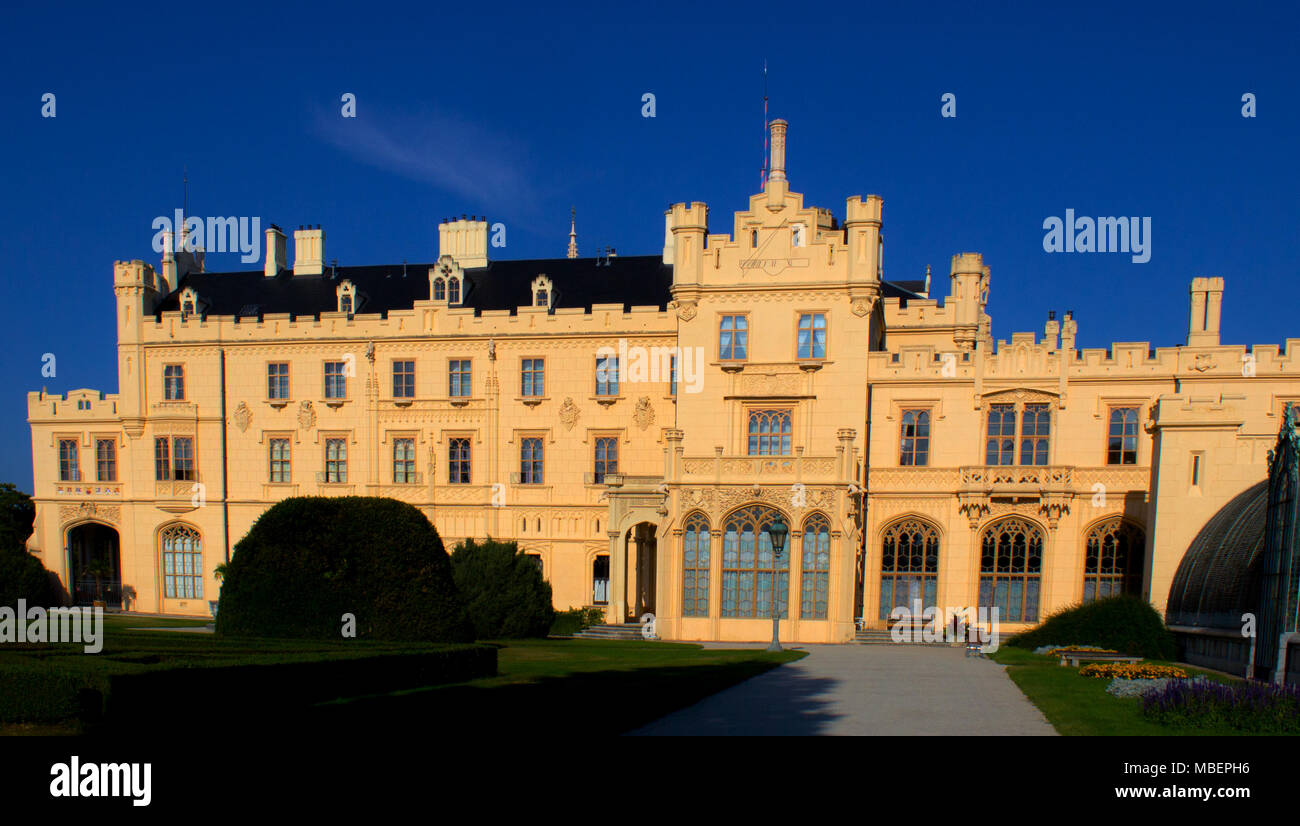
(568, 623)
(22, 576)
(503, 589)
(309, 560)
(1126, 624)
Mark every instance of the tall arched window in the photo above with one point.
(816, 556)
(695, 566)
(748, 566)
(1011, 569)
(1113, 559)
(182, 562)
(909, 567)
(453, 290)
(439, 289)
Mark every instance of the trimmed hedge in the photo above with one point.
(22, 576)
(128, 689)
(309, 560)
(1126, 624)
(507, 597)
(568, 623)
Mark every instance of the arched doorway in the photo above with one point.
(641, 542)
(95, 565)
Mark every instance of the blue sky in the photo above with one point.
(521, 112)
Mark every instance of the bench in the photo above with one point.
(1076, 657)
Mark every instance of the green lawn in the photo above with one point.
(1080, 705)
(563, 688)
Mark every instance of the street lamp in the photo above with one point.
(776, 533)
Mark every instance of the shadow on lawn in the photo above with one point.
(596, 704)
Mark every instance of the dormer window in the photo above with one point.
(446, 281)
(189, 302)
(453, 290)
(543, 291)
(347, 296)
(439, 289)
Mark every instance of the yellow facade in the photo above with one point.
(815, 435)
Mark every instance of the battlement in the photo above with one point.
(76, 405)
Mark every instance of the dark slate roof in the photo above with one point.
(1218, 579)
(627, 280)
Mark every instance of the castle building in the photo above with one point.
(637, 423)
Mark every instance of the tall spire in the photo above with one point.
(573, 232)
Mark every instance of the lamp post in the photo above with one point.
(776, 533)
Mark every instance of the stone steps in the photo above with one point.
(626, 631)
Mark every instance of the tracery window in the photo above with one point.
(695, 566)
(815, 554)
(769, 432)
(1113, 555)
(1011, 569)
(182, 561)
(749, 566)
(909, 566)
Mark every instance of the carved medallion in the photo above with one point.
(568, 413)
(306, 415)
(861, 307)
(644, 416)
(243, 416)
(1204, 361)
(686, 310)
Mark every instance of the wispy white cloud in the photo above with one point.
(444, 150)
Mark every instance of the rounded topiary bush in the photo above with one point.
(309, 560)
(1126, 624)
(504, 590)
(22, 576)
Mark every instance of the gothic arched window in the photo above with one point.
(695, 566)
(816, 557)
(909, 566)
(1011, 569)
(749, 566)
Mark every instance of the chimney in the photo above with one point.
(776, 184)
(309, 251)
(168, 275)
(668, 237)
(1207, 303)
(276, 259)
(465, 240)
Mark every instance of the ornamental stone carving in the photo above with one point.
(90, 510)
(644, 416)
(306, 415)
(686, 310)
(243, 416)
(568, 413)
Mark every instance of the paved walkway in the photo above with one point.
(866, 689)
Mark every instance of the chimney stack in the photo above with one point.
(776, 184)
(465, 240)
(309, 251)
(276, 259)
(1207, 303)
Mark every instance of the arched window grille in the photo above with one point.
(695, 566)
(909, 567)
(1113, 557)
(1011, 569)
(748, 565)
(182, 561)
(439, 289)
(816, 576)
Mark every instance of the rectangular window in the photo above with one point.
(403, 379)
(183, 459)
(403, 461)
(606, 458)
(1000, 444)
(733, 337)
(672, 374)
(174, 382)
(458, 378)
(1121, 441)
(1196, 469)
(69, 466)
(533, 377)
(106, 460)
(607, 376)
(812, 336)
(914, 447)
(1035, 433)
(769, 432)
(281, 465)
(458, 461)
(336, 461)
(530, 461)
(162, 463)
(277, 381)
(336, 380)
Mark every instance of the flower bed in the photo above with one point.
(1248, 706)
(1131, 671)
(1121, 687)
(1068, 649)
